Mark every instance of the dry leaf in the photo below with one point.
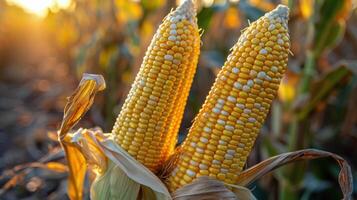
(57, 167)
(78, 104)
(80, 101)
(266, 166)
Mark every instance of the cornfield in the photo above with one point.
(186, 99)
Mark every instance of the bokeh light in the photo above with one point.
(40, 7)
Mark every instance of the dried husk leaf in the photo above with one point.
(80, 102)
(77, 105)
(257, 171)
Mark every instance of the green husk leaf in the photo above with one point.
(325, 85)
(114, 184)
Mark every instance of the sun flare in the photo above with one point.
(40, 7)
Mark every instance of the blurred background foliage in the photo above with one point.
(45, 48)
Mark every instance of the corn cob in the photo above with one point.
(146, 126)
(227, 125)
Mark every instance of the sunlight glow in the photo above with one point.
(40, 7)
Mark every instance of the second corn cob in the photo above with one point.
(227, 125)
(145, 126)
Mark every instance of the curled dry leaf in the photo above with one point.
(80, 101)
(266, 166)
(78, 104)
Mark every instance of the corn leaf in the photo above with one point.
(257, 171)
(330, 24)
(325, 85)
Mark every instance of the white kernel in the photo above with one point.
(261, 75)
(224, 170)
(274, 69)
(216, 162)
(228, 157)
(168, 57)
(190, 173)
(223, 78)
(250, 83)
(221, 101)
(173, 32)
(237, 85)
(219, 106)
(229, 127)
(246, 88)
(263, 51)
(280, 41)
(142, 82)
(271, 27)
(268, 78)
(251, 119)
(247, 111)
(231, 152)
(241, 145)
(240, 122)
(257, 105)
(216, 110)
(221, 122)
(204, 140)
(173, 20)
(241, 106)
(222, 142)
(203, 166)
(252, 73)
(173, 26)
(231, 99)
(199, 150)
(193, 144)
(194, 163)
(258, 81)
(172, 38)
(235, 70)
(206, 129)
(223, 112)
